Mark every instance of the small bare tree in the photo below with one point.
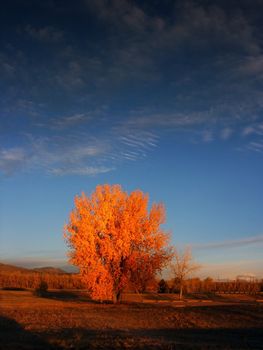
(182, 267)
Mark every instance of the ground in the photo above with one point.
(66, 320)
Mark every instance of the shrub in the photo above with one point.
(42, 288)
(163, 287)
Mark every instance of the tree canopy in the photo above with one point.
(115, 240)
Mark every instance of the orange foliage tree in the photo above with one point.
(114, 240)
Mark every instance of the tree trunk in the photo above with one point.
(181, 291)
(140, 294)
(116, 297)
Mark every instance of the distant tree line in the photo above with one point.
(208, 285)
(31, 280)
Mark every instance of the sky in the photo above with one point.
(163, 96)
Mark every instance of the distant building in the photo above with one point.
(246, 278)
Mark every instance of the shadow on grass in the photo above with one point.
(66, 296)
(14, 289)
(220, 339)
(159, 297)
(81, 297)
(14, 336)
(225, 298)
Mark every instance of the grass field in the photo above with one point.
(65, 320)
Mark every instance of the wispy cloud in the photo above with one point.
(256, 129)
(253, 66)
(84, 170)
(208, 136)
(226, 133)
(47, 34)
(69, 121)
(256, 146)
(134, 142)
(147, 119)
(139, 139)
(231, 243)
(70, 154)
(248, 130)
(7, 67)
(12, 159)
(77, 152)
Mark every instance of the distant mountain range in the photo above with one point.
(6, 268)
(49, 269)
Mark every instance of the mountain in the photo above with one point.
(49, 269)
(11, 268)
(6, 268)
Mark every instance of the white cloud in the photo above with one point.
(47, 33)
(61, 155)
(189, 21)
(139, 140)
(256, 129)
(248, 130)
(253, 66)
(6, 68)
(226, 133)
(176, 120)
(76, 152)
(255, 146)
(208, 136)
(69, 121)
(12, 159)
(84, 170)
(57, 156)
(134, 143)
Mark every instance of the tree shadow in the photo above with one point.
(14, 336)
(162, 339)
(155, 297)
(69, 296)
(66, 296)
(235, 311)
(14, 289)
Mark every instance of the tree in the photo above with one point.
(163, 286)
(182, 266)
(42, 288)
(112, 238)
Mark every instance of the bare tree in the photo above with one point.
(182, 267)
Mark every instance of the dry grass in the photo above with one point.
(72, 321)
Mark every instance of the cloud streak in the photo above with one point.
(12, 159)
(231, 243)
(84, 170)
(226, 133)
(78, 152)
(47, 34)
(69, 121)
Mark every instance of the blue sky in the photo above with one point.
(165, 96)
